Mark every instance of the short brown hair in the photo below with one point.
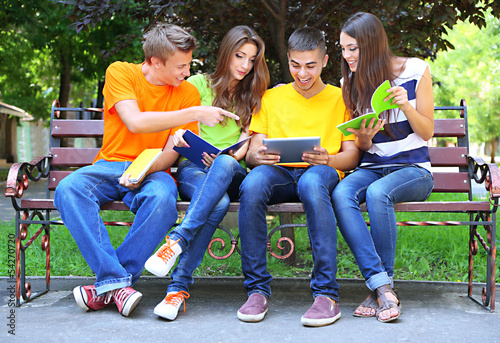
(164, 40)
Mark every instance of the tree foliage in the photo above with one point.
(43, 58)
(471, 71)
(414, 27)
(60, 49)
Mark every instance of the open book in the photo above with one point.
(141, 164)
(378, 106)
(197, 146)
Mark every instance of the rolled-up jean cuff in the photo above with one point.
(378, 280)
(105, 286)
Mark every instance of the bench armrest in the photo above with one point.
(487, 173)
(20, 174)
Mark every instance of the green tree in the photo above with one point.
(43, 57)
(471, 71)
(415, 27)
(27, 71)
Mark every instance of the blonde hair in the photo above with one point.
(164, 40)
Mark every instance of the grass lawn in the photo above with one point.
(423, 253)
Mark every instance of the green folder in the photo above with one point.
(378, 105)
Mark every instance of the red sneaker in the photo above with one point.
(87, 299)
(126, 299)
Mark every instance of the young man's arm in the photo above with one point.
(165, 161)
(147, 122)
(256, 155)
(346, 159)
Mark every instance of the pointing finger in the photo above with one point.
(231, 115)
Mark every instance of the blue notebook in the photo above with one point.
(197, 146)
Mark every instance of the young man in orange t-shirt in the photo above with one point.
(145, 104)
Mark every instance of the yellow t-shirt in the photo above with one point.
(125, 81)
(286, 113)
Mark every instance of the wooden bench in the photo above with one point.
(461, 169)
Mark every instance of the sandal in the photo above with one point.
(386, 304)
(371, 303)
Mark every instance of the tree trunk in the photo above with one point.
(278, 34)
(493, 148)
(100, 97)
(277, 28)
(64, 85)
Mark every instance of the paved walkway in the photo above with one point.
(432, 312)
(35, 190)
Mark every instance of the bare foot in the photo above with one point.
(368, 307)
(389, 308)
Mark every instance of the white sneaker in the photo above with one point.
(164, 259)
(169, 306)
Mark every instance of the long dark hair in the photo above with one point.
(374, 65)
(246, 97)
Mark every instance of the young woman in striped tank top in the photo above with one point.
(395, 164)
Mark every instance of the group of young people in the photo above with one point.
(150, 105)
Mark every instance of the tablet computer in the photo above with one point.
(291, 149)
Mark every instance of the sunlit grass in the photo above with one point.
(423, 253)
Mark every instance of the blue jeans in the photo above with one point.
(79, 197)
(380, 188)
(313, 186)
(210, 192)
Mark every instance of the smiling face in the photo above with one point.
(350, 50)
(241, 61)
(306, 67)
(173, 71)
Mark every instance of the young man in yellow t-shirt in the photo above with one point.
(305, 107)
(144, 105)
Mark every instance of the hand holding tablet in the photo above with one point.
(291, 149)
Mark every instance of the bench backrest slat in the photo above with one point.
(73, 157)
(448, 156)
(450, 161)
(452, 182)
(77, 128)
(449, 127)
(55, 176)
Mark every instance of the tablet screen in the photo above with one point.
(291, 149)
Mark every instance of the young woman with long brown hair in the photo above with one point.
(237, 85)
(395, 164)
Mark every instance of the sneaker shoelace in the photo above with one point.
(175, 298)
(99, 298)
(109, 297)
(166, 252)
(120, 294)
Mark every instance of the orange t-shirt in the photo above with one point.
(125, 81)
